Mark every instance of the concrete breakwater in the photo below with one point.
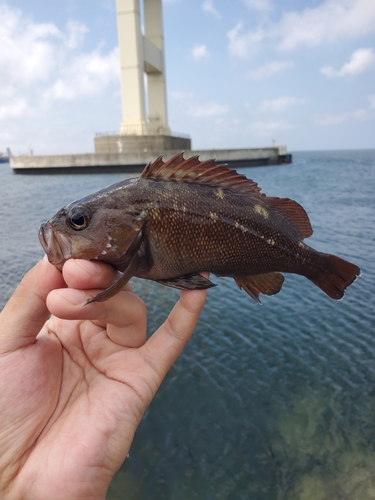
(135, 162)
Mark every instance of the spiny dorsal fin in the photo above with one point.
(295, 214)
(203, 172)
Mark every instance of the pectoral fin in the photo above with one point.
(119, 283)
(268, 284)
(189, 282)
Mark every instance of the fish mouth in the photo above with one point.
(56, 246)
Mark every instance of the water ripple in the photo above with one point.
(266, 402)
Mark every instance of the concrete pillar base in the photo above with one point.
(153, 144)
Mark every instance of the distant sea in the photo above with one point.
(271, 402)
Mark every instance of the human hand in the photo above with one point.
(74, 388)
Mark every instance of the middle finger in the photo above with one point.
(123, 316)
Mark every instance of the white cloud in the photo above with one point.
(361, 60)
(39, 62)
(76, 33)
(208, 6)
(335, 119)
(13, 109)
(242, 44)
(27, 53)
(178, 95)
(200, 52)
(192, 108)
(269, 69)
(330, 21)
(87, 75)
(280, 104)
(264, 129)
(257, 4)
(358, 114)
(208, 109)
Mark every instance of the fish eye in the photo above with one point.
(78, 218)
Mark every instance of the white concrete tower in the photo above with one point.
(141, 54)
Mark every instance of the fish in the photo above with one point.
(182, 217)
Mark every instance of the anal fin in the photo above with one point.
(268, 284)
(188, 282)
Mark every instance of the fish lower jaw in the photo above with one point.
(57, 248)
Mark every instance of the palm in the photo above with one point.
(83, 387)
(79, 417)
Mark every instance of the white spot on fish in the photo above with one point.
(103, 252)
(141, 216)
(271, 241)
(213, 216)
(261, 211)
(240, 226)
(219, 193)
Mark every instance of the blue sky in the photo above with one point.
(240, 73)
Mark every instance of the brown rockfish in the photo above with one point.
(182, 217)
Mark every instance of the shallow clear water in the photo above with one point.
(266, 402)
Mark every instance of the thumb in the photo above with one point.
(26, 311)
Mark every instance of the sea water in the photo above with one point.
(271, 402)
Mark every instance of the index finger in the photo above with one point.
(87, 274)
(26, 311)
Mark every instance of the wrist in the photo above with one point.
(66, 491)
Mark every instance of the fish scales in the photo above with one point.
(183, 217)
(225, 235)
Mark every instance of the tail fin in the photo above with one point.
(337, 276)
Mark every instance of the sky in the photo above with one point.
(240, 73)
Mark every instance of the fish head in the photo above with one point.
(99, 226)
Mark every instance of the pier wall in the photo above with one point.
(135, 162)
